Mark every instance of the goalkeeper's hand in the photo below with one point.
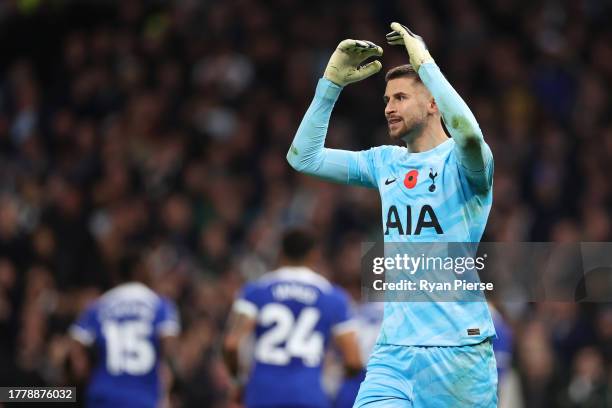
(344, 67)
(417, 50)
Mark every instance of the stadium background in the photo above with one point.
(161, 128)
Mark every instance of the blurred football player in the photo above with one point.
(433, 189)
(131, 330)
(502, 344)
(293, 313)
(368, 318)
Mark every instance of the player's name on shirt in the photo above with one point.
(136, 309)
(294, 291)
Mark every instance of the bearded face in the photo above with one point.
(407, 106)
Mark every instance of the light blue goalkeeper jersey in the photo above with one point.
(428, 196)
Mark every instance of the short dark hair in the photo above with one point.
(402, 71)
(297, 244)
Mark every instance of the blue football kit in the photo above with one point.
(428, 353)
(124, 326)
(297, 312)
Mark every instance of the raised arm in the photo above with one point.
(471, 149)
(307, 153)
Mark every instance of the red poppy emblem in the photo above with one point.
(411, 178)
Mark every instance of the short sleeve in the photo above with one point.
(85, 328)
(246, 303)
(342, 321)
(167, 322)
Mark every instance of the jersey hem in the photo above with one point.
(479, 340)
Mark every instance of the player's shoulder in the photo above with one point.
(91, 309)
(131, 291)
(485, 146)
(296, 274)
(286, 280)
(339, 294)
(165, 303)
(382, 155)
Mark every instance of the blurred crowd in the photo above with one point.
(161, 127)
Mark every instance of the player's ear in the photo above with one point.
(432, 107)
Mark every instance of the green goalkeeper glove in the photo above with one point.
(417, 50)
(343, 67)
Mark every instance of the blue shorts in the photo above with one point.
(412, 377)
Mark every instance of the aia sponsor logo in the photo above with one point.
(402, 224)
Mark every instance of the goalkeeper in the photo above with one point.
(435, 189)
